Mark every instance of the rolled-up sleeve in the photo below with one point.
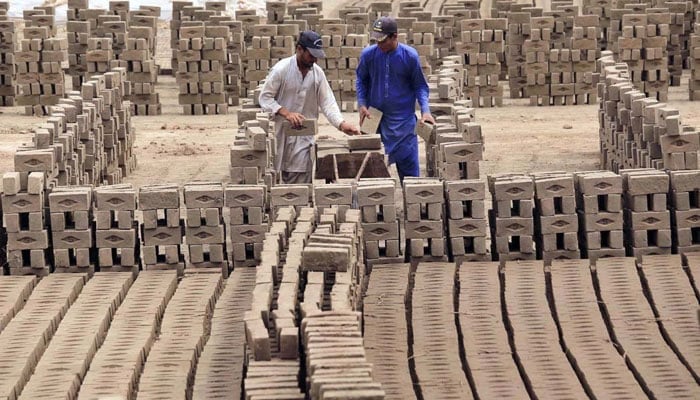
(269, 92)
(327, 102)
(420, 85)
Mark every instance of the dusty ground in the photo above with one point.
(519, 138)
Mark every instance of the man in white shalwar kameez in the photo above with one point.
(295, 89)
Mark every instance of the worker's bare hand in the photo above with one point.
(295, 119)
(428, 117)
(349, 129)
(364, 113)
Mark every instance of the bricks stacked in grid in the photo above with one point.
(297, 196)
(24, 220)
(142, 71)
(161, 229)
(335, 372)
(685, 210)
(599, 207)
(424, 207)
(459, 151)
(482, 46)
(78, 33)
(308, 11)
(258, 54)
(518, 26)
(41, 16)
(556, 222)
(600, 9)
(66, 359)
(233, 68)
(205, 231)
(8, 42)
(377, 202)
(178, 17)
(40, 78)
(71, 231)
(201, 57)
(147, 16)
(511, 219)
(446, 31)
(647, 215)
(422, 38)
(694, 61)
(99, 55)
(247, 223)
(536, 52)
(116, 228)
(334, 196)
(643, 47)
(583, 54)
(563, 13)
(342, 57)
(248, 19)
(252, 152)
(357, 19)
(466, 223)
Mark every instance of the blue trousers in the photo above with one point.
(405, 156)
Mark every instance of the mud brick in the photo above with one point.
(27, 240)
(424, 229)
(115, 238)
(203, 195)
(289, 195)
(73, 200)
(514, 188)
(602, 221)
(22, 203)
(35, 161)
(162, 235)
(326, 258)
(423, 192)
(370, 125)
(426, 131)
(650, 220)
(172, 217)
(245, 156)
(115, 198)
(514, 208)
(465, 190)
(612, 239)
(514, 226)
(336, 194)
(154, 197)
(35, 183)
(244, 196)
(642, 182)
(371, 195)
(11, 183)
(559, 223)
(466, 227)
(205, 235)
(461, 152)
(309, 127)
(248, 233)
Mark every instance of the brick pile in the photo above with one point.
(380, 223)
(161, 229)
(536, 52)
(601, 219)
(356, 18)
(253, 149)
(297, 196)
(422, 38)
(40, 77)
(67, 357)
(286, 374)
(511, 219)
(647, 215)
(343, 51)
(99, 55)
(694, 61)
(337, 372)
(23, 218)
(276, 11)
(8, 46)
(78, 32)
(117, 365)
(518, 26)
(142, 71)
(247, 222)
(685, 210)
(233, 67)
(563, 13)
(70, 210)
(583, 54)
(556, 222)
(205, 231)
(258, 54)
(116, 228)
(334, 196)
(201, 56)
(446, 33)
(15, 290)
(602, 10)
(466, 224)
(482, 47)
(41, 16)
(424, 207)
(458, 146)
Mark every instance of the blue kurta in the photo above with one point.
(392, 83)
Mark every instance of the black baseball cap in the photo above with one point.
(383, 27)
(312, 41)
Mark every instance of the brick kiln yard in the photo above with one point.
(432, 330)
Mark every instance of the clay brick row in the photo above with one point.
(142, 71)
(248, 224)
(535, 338)
(170, 368)
(8, 45)
(285, 374)
(424, 208)
(161, 231)
(511, 219)
(220, 367)
(116, 367)
(483, 333)
(70, 211)
(14, 291)
(585, 334)
(466, 223)
(482, 46)
(336, 362)
(205, 230)
(642, 343)
(694, 61)
(377, 203)
(435, 337)
(25, 337)
(79, 336)
(455, 145)
(254, 149)
(685, 210)
(116, 228)
(556, 222)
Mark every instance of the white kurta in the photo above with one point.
(286, 87)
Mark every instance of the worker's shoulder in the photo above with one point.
(369, 50)
(408, 50)
(281, 64)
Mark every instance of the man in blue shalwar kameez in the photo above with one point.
(390, 79)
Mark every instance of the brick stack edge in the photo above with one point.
(556, 221)
(511, 219)
(248, 223)
(424, 208)
(8, 44)
(694, 61)
(205, 230)
(162, 228)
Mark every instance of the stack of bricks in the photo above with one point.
(71, 219)
(446, 34)
(643, 47)
(247, 223)
(343, 51)
(536, 51)
(459, 152)
(8, 45)
(205, 231)
(518, 31)
(678, 37)
(41, 16)
(602, 10)
(583, 54)
(138, 60)
(556, 222)
(201, 57)
(511, 219)
(422, 38)
(424, 205)
(233, 68)
(253, 151)
(599, 206)
(257, 56)
(333, 196)
(99, 55)
(40, 76)
(466, 224)
(161, 229)
(178, 17)
(694, 57)
(327, 366)
(647, 218)
(276, 11)
(563, 15)
(147, 17)
(116, 228)
(482, 47)
(382, 236)
(685, 211)
(78, 33)
(356, 18)
(112, 27)
(23, 218)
